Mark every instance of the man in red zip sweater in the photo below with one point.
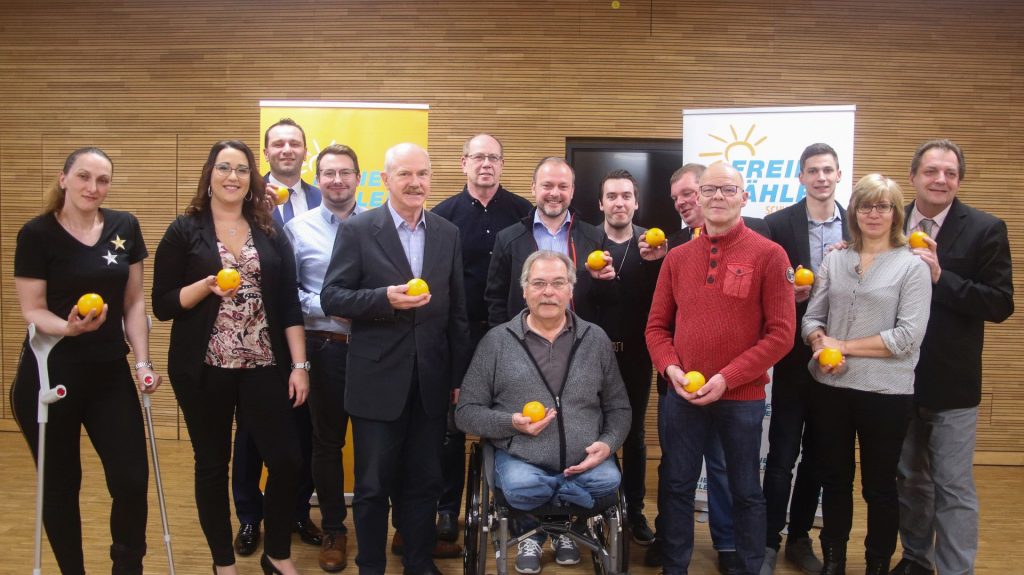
(723, 306)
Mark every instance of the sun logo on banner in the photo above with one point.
(730, 146)
(309, 166)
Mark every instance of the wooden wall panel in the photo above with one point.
(533, 73)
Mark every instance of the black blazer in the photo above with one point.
(976, 285)
(188, 253)
(504, 294)
(387, 344)
(789, 229)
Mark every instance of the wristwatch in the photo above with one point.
(304, 365)
(143, 364)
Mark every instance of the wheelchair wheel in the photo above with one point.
(611, 530)
(474, 557)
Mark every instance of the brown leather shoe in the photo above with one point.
(333, 552)
(442, 549)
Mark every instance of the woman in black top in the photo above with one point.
(238, 349)
(76, 247)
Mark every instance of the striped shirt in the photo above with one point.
(892, 299)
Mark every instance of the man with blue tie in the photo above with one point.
(284, 147)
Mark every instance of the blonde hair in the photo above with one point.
(872, 189)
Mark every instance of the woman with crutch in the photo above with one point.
(73, 248)
(236, 346)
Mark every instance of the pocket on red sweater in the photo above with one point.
(738, 278)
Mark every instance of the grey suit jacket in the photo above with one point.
(388, 344)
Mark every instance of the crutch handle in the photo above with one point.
(53, 394)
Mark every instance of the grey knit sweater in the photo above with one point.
(502, 377)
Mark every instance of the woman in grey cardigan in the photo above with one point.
(872, 303)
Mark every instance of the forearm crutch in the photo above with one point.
(41, 345)
(147, 404)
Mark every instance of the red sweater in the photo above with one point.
(724, 304)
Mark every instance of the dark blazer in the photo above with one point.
(789, 229)
(188, 253)
(313, 198)
(680, 237)
(387, 344)
(976, 285)
(504, 295)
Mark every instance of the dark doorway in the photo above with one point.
(650, 161)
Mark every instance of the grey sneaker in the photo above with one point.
(528, 559)
(566, 552)
(770, 557)
(800, 552)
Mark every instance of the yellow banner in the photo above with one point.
(369, 129)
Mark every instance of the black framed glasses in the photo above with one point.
(727, 191)
(881, 207)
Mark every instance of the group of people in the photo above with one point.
(324, 329)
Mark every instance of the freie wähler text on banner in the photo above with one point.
(368, 128)
(764, 144)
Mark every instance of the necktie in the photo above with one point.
(926, 225)
(289, 209)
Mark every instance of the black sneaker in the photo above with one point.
(640, 530)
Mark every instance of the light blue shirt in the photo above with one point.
(413, 239)
(312, 235)
(821, 235)
(556, 242)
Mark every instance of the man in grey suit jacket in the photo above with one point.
(406, 358)
(972, 283)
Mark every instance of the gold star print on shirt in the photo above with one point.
(118, 242)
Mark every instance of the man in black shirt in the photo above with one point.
(480, 211)
(623, 303)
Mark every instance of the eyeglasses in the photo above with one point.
(226, 169)
(331, 174)
(882, 208)
(541, 285)
(727, 191)
(479, 158)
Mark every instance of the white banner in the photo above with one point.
(765, 144)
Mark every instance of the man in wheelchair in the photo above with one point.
(547, 354)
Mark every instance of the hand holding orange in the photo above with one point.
(228, 279)
(830, 357)
(535, 411)
(654, 237)
(694, 381)
(916, 240)
(595, 260)
(280, 196)
(803, 276)
(417, 287)
(90, 302)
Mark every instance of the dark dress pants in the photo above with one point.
(330, 422)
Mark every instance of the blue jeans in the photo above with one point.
(719, 498)
(685, 429)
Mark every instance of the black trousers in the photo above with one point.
(260, 396)
(879, 423)
(330, 422)
(790, 433)
(102, 398)
(397, 461)
(635, 367)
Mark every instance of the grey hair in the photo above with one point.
(570, 269)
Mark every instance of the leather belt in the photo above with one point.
(329, 335)
(616, 346)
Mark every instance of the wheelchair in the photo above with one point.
(602, 529)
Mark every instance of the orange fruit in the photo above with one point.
(696, 232)
(654, 237)
(228, 279)
(534, 410)
(417, 287)
(803, 277)
(830, 357)
(595, 260)
(694, 381)
(281, 196)
(90, 302)
(917, 240)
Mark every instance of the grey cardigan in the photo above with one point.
(593, 405)
(892, 300)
